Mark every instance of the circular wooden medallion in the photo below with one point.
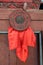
(19, 20)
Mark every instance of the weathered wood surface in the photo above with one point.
(34, 13)
(36, 18)
(9, 57)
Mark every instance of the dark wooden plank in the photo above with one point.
(4, 52)
(7, 57)
(35, 25)
(13, 58)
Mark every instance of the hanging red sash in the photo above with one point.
(20, 41)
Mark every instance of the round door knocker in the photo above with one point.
(19, 19)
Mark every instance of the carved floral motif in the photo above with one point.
(30, 5)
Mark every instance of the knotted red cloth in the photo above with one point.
(20, 41)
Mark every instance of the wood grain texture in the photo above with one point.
(35, 25)
(36, 19)
(9, 57)
(34, 13)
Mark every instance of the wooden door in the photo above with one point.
(8, 57)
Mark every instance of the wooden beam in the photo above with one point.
(34, 13)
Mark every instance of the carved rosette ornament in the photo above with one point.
(19, 20)
(34, 4)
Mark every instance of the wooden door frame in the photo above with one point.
(40, 45)
(40, 42)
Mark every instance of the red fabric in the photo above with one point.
(20, 41)
(16, 0)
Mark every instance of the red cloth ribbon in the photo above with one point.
(20, 41)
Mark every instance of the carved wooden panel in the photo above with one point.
(8, 57)
(31, 4)
(36, 19)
